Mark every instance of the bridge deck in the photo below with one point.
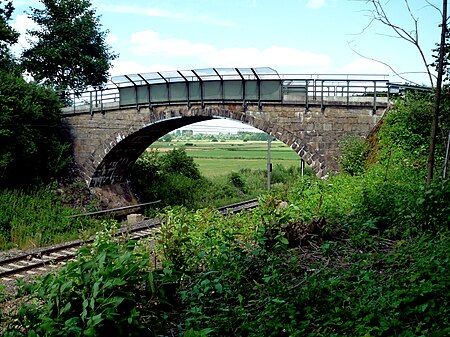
(99, 107)
(235, 86)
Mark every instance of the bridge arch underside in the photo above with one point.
(116, 164)
(312, 133)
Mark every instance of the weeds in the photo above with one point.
(108, 290)
(36, 218)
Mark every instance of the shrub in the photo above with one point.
(353, 155)
(237, 181)
(108, 290)
(433, 207)
(177, 161)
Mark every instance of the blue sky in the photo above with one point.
(291, 36)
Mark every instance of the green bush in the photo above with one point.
(177, 161)
(108, 290)
(433, 206)
(174, 178)
(353, 155)
(237, 181)
(407, 129)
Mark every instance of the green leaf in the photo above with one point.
(219, 288)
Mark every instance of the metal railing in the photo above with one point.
(242, 86)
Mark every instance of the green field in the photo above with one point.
(221, 158)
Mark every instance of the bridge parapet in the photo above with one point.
(234, 85)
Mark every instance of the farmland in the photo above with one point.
(221, 158)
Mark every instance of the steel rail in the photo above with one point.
(39, 258)
(117, 209)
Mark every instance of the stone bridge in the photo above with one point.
(110, 128)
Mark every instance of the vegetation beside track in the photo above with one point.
(360, 254)
(39, 216)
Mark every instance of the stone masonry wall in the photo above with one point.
(107, 144)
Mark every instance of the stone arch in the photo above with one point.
(111, 161)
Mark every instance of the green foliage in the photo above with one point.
(237, 181)
(353, 155)
(30, 132)
(407, 130)
(68, 50)
(108, 290)
(376, 264)
(171, 177)
(177, 161)
(8, 36)
(174, 178)
(282, 174)
(237, 284)
(37, 218)
(432, 206)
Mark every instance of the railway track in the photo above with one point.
(43, 260)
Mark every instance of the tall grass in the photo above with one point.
(35, 218)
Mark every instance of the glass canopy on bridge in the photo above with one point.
(214, 84)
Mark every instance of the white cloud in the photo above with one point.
(130, 67)
(159, 13)
(111, 39)
(149, 43)
(315, 3)
(273, 56)
(365, 66)
(22, 23)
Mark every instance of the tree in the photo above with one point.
(177, 161)
(379, 14)
(8, 36)
(437, 102)
(69, 50)
(32, 148)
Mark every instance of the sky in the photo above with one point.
(290, 36)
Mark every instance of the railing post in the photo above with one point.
(101, 102)
(321, 97)
(348, 92)
(306, 96)
(374, 97)
(314, 89)
(91, 110)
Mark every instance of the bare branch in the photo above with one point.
(383, 63)
(416, 31)
(435, 7)
(380, 15)
(365, 28)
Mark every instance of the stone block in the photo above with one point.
(134, 218)
(327, 127)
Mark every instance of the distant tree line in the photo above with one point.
(67, 52)
(189, 135)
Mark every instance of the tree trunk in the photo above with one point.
(437, 101)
